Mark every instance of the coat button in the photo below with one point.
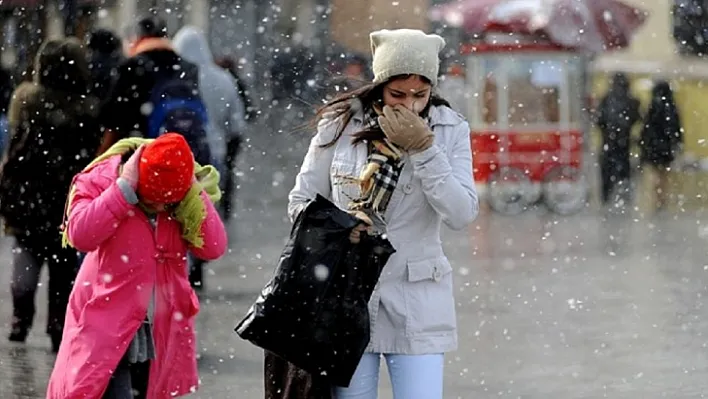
(437, 274)
(408, 188)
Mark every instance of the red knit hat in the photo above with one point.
(166, 170)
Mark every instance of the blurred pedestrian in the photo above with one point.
(661, 139)
(409, 155)
(226, 111)
(294, 85)
(136, 210)
(156, 91)
(353, 75)
(234, 144)
(219, 91)
(616, 116)
(230, 65)
(291, 70)
(105, 54)
(54, 134)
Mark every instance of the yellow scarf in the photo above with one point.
(190, 212)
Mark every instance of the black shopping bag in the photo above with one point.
(313, 313)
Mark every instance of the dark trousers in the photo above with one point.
(614, 170)
(283, 380)
(229, 185)
(196, 272)
(29, 254)
(129, 381)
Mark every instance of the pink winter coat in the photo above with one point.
(128, 259)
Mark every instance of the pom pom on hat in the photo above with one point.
(405, 52)
(166, 170)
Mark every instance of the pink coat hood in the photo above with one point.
(128, 259)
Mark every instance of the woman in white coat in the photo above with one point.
(395, 152)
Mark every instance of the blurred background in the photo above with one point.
(318, 39)
(575, 281)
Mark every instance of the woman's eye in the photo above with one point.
(420, 95)
(397, 95)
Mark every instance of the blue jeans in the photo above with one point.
(412, 377)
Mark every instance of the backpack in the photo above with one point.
(178, 108)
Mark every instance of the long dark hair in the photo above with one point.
(369, 96)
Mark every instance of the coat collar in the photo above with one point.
(150, 44)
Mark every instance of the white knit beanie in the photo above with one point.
(405, 52)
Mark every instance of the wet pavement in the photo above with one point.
(588, 306)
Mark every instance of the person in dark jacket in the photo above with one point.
(151, 59)
(617, 114)
(105, 53)
(53, 135)
(662, 138)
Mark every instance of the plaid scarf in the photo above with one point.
(380, 177)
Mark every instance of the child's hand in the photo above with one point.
(130, 170)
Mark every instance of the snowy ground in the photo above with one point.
(583, 307)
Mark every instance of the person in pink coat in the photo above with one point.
(136, 210)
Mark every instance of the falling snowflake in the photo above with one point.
(574, 304)
(146, 108)
(321, 272)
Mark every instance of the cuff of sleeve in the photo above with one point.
(430, 163)
(426, 155)
(295, 210)
(128, 193)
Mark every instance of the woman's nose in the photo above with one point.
(409, 103)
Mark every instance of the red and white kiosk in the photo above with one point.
(527, 67)
(528, 118)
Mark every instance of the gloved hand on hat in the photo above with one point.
(130, 172)
(406, 129)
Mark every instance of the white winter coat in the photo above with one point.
(412, 309)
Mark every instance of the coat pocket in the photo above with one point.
(430, 305)
(345, 187)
